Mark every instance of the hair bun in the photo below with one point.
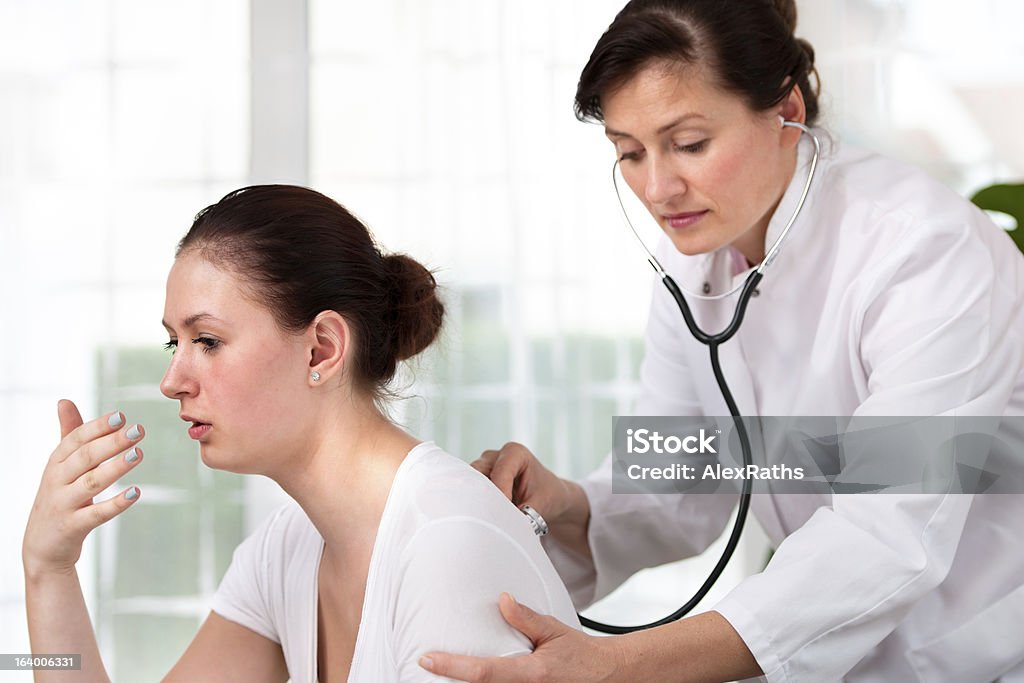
(808, 50)
(417, 312)
(787, 10)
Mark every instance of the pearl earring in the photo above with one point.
(315, 376)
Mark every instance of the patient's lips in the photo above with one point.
(199, 429)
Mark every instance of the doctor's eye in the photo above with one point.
(171, 345)
(695, 148)
(629, 156)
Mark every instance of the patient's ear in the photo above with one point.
(330, 345)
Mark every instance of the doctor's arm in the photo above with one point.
(930, 344)
(699, 649)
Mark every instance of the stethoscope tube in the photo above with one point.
(713, 341)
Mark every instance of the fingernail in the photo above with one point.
(426, 662)
(116, 420)
(512, 598)
(131, 456)
(132, 493)
(133, 432)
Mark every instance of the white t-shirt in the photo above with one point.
(448, 544)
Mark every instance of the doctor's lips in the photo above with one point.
(683, 220)
(198, 429)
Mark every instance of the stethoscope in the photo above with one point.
(713, 341)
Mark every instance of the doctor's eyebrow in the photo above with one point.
(612, 133)
(192, 320)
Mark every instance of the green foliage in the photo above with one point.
(1008, 199)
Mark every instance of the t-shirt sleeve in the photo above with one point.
(452, 573)
(242, 596)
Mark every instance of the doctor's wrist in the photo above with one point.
(576, 511)
(571, 525)
(703, 648)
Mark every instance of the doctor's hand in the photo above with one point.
(81, 467)
(561, 654)
(525, 481)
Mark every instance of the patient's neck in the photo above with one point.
(343, 477)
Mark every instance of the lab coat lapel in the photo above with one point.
(734, 367)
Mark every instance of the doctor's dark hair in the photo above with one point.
(749, 46)
(302, 253)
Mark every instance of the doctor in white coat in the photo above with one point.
(892, 296)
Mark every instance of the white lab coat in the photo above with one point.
(892, 296)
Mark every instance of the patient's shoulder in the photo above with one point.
(438, 486)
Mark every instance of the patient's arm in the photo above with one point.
(225, 652)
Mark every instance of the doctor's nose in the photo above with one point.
(663, 182)
(178, 382)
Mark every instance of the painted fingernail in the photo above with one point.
(133, 432)
(116, 420)
(132, 493)
(131, 456)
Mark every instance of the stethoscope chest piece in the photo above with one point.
(540, 527)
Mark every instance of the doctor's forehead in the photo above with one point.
(689, 117)
(657, 100)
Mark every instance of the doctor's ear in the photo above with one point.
(331, 342)
(793, 108)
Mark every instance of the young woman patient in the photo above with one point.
(287, 324)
